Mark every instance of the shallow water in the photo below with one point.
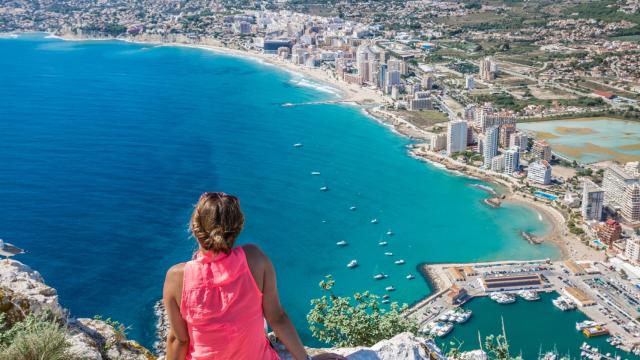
(589, 141)
(105, 146)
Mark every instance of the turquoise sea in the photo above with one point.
(105, 146)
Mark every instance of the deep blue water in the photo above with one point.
(105, 146)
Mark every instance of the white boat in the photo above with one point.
(390, 233)
(585, 324)
(297, 145)
(563, 303)
(463, 316)
(441, 329)
(410, 277)
(341, 243)
(353, 208)
(388, 254)
(374, 221)
(382, 243)
(399, 262)
(352, 264)
(502, 298)
(390, 288)
(529, 295)
(324, 188)
(386, 301)
(315, 173)
(386, 296)
(380, 276)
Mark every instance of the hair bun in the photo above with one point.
(215, 241)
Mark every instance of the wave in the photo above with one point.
(8, 36)
(306, 82)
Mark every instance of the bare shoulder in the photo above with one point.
(175, 273)
(254, 254)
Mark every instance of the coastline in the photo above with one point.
(370, 102)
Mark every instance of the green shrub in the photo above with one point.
(34, 338)
(355, 321)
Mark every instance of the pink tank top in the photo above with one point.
(222, 306)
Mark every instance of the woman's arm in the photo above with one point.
(178, 337)
(276, 316)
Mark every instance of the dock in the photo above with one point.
(599, 292)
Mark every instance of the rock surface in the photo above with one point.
(23, 292)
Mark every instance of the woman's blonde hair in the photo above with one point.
(217, 221)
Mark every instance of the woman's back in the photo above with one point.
(222, 306)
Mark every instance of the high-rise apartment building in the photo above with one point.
(456, 136)
(541, 150)
(632, 249)
(592, 201)
(539, 172)
(490, 146)
(519, 139)
(511, 160)
(615, 182)
(487, 69)
(506, 132)
(631, 203)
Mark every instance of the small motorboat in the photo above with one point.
(388, 254)
(374, 221)
(390, 288)
(382, 243)
(386, 296)
(297, 145)
(352, 264)
(390, 233)
(399, 262)
(324, 188)
(386, 301)
(410, 277)
(315, 173)
(353, 208)
(380, 276)
(341, 243)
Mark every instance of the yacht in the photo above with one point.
(382, 243)
(297, 145)
(352, 264)
(399, 262)
(390, 233)
(315, 173)
(463, 316)
(324, 188)
(529, 295)
(353, 208)
(410, 277)
(380, 276)
(441, 329)
(502, 298)
(585, 324)
(388, 254)
(563, 303)
(390, 288)
(341, 243)
(374, 221)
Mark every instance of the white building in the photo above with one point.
(511, 160)
(615, 182)
(540, 172)
(632, 249)
(592, 201)
(631, 203)
(438, 142)
(456, 136)
(497, 163)
(490, 145)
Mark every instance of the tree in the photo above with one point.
(355, 321)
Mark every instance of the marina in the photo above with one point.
(575, 285)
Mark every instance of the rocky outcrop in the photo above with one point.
(23, 292)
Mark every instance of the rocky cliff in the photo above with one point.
(23, 291)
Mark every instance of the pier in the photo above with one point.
(596, 290)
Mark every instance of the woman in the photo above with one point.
(218, 301)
